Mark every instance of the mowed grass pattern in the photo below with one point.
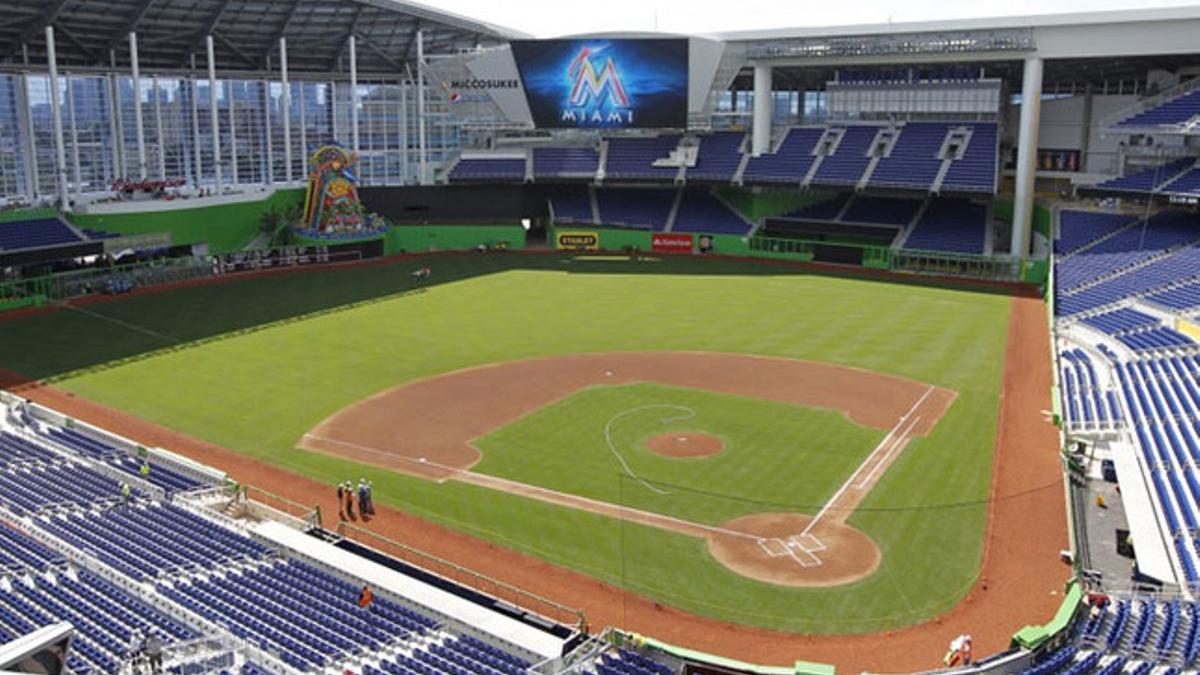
(340, 335)
(775, 455)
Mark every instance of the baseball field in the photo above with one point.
(746, 442)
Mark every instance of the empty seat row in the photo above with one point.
(35, 233)
(32, 488)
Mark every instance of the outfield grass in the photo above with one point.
(776, 456)
(202, 361)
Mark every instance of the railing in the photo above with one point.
(996, 268)
(1110, 122)
(23, 293)
(500, 590)
(957, 264)
(301, 516)
(580, 660)
(66, 285)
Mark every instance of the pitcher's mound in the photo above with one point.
(769, 547)
(687, 444)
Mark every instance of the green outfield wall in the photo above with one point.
(427, 238)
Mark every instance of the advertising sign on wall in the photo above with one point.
(666, 242)
(576, 240)
(605, 83)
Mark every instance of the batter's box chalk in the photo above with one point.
(808, 542)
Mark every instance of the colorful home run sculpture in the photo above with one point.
(332, 208)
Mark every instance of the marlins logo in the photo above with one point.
(597, 95)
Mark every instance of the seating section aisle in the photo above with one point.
(913, 161)
(975, 171)
(846, 165)
(791, 160)
(952, 225)
(1079, 229)
(36, 233)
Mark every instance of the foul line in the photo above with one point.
(391, 455)
(665, 522)
(688, 413)
(125, 324)
(884, 445)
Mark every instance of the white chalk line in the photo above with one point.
(569, 500)
(390, 455)
(125, 324)
(807, 542)
(688, 413)
(884, 446)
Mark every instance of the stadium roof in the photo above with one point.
(245, 32)
(1070, 19)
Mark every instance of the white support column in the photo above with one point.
(422, 156)
(353, 94)
(25, 120)
(404, 132)
(303, 132)
(286, 105)
(197, 160)
(333, 112)
(212, 112)
(60, 152)
(762, 109)
(161, 155)
(233, 157)
(269, 152)
(1027, 144)
(77, 171)
(114, 127)
(137, 105)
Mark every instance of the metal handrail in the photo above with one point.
(506, 592)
